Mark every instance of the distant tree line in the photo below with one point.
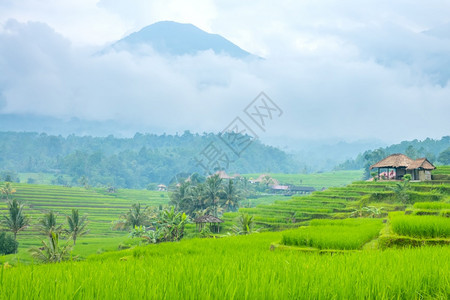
(124, 162)
(436, 151)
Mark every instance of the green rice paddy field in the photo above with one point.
(241, 267)
(316, 180)
(323, 255)
(103, 208)
(100, 207)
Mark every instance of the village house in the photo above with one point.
(395, 166)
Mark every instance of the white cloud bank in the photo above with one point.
(338, 71)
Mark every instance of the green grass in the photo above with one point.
(316, 180)
(348, 234)
(432, 205)
(235, 268)
(441, 170)
(102, 208)
(420, 226)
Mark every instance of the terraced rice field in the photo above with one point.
(341, 202)
(101, 208)
(316, 180)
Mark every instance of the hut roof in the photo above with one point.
(393, 161)
(224, 175)
(400, 160)
(208, 219)
(279, 187)
(302, 188)
(421, 163)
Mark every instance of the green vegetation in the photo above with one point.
(421, 226)
(226, 267)
(48, 224)
(77, 225)
(436, 151)
(244, 225)
(358, 199)
(240, 267)
(101, 207)
(212, 196)
(120, 162)
(315, 180)
(16, 220)
(8, 244)
(348, 234)
(52, 251)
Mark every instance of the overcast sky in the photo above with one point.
(338, 69)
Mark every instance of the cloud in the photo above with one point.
(332, 76)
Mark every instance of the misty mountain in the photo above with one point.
(59, 126)
(167, 37)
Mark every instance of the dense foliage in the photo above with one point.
(8, 244)
(213, 196)
(437, 151)
(126, 162)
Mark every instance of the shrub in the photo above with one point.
(7, 244)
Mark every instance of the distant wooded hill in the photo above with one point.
(437, 151)
(130, 162)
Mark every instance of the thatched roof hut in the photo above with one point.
(421, 163)
(201, 221)
(393, 161)
(397, 165)
(162, 187)
(208, 219)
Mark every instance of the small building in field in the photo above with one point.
(395, 166)
(301, 189)
(214, 223)
(292, 189)
(162, 187)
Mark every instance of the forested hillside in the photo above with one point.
(127, 162)
(437, 151)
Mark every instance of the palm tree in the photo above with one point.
(16, 220)
(77, 225)
(51, 251)
(244, 224)
(47, 224)
(7, 190)
(180, 195)
(136, 216)
(231, 201)
(213, 188)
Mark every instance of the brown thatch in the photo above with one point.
(208, 219)
(421, 163)
(393, 161)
